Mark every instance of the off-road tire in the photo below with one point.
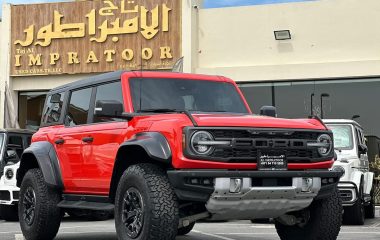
(160, 206)
(185, 230)
(9, 212)
(47, 216)
(355, 215)
(324, 223)
(370, 209)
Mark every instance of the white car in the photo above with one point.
(12, 144)
(9, 193)
(355, 186)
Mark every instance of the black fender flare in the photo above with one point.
(46, 157)
(154, 144)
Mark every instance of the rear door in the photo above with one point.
(103, 138)
(69, 139)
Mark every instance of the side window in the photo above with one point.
(53, 108)
(110, 91)
(15, 143)
(78, 107)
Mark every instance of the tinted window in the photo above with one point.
(53, 108)
(78, 108)
(111, 91)
(180, 94)
(15, 143)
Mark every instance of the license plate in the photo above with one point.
(272, 162)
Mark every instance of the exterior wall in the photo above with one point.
(4, 58)
(330, 38)
(38, 83)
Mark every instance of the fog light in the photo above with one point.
(206, 181)
(194, 181)
(235, 185)
(307, 184)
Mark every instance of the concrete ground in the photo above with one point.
(73, 229)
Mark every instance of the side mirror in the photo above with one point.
(55, 98)
(268, 111)
(363, 149)
(108, 108)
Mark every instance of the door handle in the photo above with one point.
(59, 141)
(88, 139)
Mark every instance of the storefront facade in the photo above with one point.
(47, 45)
(332, 53)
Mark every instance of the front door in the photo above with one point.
(103, 138)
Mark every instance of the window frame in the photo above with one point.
(90, 115)
(60, 120)
(67, 103)
(94, 98)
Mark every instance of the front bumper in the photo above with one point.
(263, 194)
(9, 195)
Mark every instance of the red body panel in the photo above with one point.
(87, 167)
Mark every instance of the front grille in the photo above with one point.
(5, 196)
(247, 144)
(268, 134)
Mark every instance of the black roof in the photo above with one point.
(105, 77)
(18, 131)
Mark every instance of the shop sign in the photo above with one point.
(95, 36)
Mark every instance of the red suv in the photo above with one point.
(167, 149)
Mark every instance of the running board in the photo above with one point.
(88, 202)
(86, 205)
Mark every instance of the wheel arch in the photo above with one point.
(41, 155)
(146, 147)
(357, 178)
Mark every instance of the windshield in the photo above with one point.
(182, 94)
(343, 139)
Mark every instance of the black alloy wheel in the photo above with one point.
(133, 212)
(29, 203)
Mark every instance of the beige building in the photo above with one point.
(331, 63)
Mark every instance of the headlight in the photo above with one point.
(9, 174)
(326, 145)
(199, 143)
(339, 169)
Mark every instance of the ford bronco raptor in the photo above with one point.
(167, 149)
(356, 185)
(12, 144)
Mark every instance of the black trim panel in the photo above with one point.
(47, 160)
(154, 144)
